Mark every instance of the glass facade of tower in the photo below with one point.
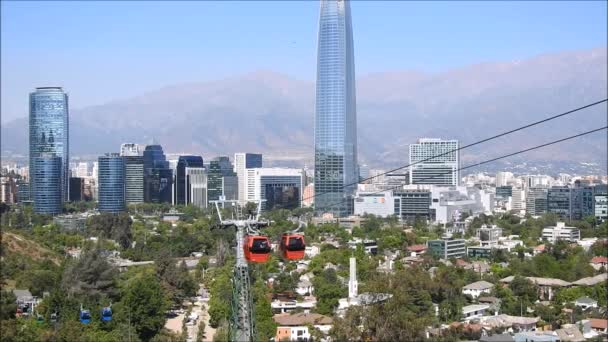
(111, 183)
(181, 182)
(49, 135)
(158, 177)
(221, 180)
(47, 189)
(335, 111)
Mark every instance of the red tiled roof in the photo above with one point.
(540, 248)
(598, 323)
(599, 260)
(416, 248)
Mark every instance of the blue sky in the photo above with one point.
(102, 51)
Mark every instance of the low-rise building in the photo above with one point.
(586, 303)
(474, 311)
(546, 286)
(509, 323)
(561, 232)
(599, 325)
(598, 262)
(416, 250)
(370, 246)
(479, 251)
(295, 327)
(447, 248)
(489, 235)
(477, 288)
(279, 306)
(570, 334)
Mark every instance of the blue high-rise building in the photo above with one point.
(181, 182)
(47, 189)
(335, 111)
(49, 136)
(158, 177)
(111, 183)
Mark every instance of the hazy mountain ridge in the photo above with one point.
(273, 113)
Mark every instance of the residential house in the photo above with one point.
(569, 333)
(477, 288)
(599, 325)
(497, 338)
(586, 303)
(598, 262)
(493, 302)
(312, 251)
(295, 327)
(281, 306)
(305, 287)
(509, 323)
(474, 311)
(546, 286)
(416, 250)
(539, 249)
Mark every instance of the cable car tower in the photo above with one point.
(242, 320)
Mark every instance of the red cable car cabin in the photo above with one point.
(292, 246)
(256, 248)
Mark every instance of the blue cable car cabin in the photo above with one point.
(106, 314)
(85, 316)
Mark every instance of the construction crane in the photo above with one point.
(242, 320)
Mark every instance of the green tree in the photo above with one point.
(90, 275)
(327, 291)
(143, 304)
(8, 305)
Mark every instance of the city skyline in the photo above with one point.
(545, 27)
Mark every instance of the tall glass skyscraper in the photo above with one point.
(111, 183)
(158, 177)
(335, 111)
(47, 196)
(49, 136)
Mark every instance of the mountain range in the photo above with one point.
(273, 113)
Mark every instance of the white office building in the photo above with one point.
(130, 149)
(504, 178)
(436, 161)
(561, 232)
(242, 162)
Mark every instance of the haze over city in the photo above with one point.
(328, 170)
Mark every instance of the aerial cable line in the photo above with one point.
(467, 146)
(483, 162)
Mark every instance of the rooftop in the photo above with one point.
(302, 319)
(598, 323)
(416, 248)
(586, 300)
(540, 281)
(474, 307)
(497, 338)
(590, 281)
(479, 285)
(22, 294)
(570, 334)
(599, 260)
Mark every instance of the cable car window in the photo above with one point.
(260, 246)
